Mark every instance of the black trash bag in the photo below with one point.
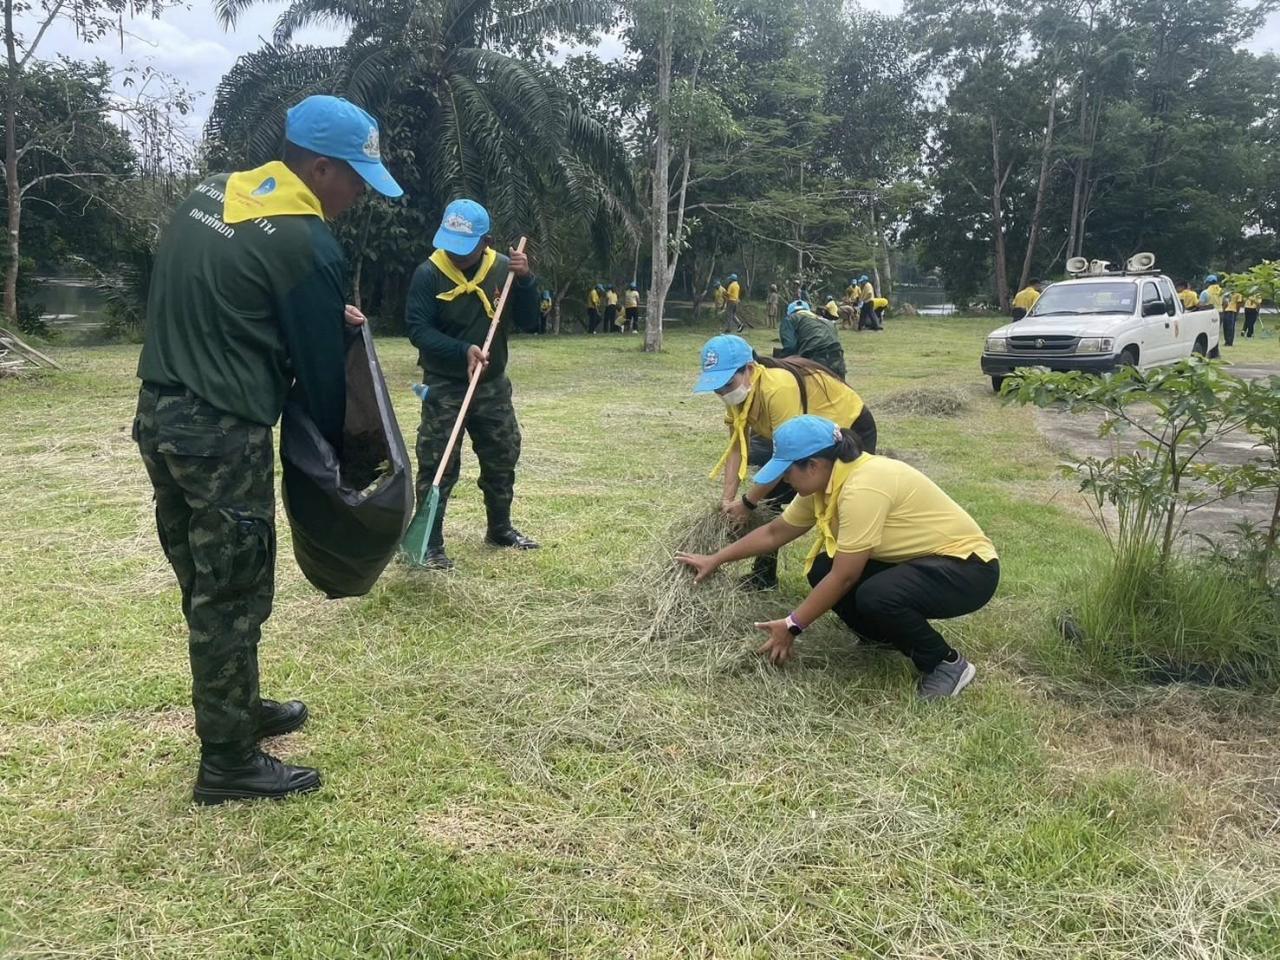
(347, 513)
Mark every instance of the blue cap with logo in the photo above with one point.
(462, 228)
(722, 357)
(337, 128)
(796, 439)
(795, 305)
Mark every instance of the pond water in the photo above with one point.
(70, 305)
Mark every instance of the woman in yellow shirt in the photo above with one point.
(893, 551)
(1252, 304)
(761, 394)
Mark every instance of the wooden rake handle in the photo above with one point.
(475, 377)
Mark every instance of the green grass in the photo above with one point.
(512, 772)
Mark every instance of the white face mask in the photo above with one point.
(736, 395)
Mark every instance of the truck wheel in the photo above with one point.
(1201, 346)
(997, 383)
(1215, 353)
(1128, 357)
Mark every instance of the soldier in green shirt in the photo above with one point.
(246, 302)
(805, 334)
(451, 304)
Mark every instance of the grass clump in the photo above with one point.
(1186, 618)
(925, 402)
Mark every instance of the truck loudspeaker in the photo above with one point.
(1141, 261)
(1077, 265)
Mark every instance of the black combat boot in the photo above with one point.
(509, 536)
(437, 559)
(235, 772)
(275, 719)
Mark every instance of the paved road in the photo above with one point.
(1076, 436)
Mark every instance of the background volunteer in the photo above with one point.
(1025, 299)
(805, 334)
(246, 301)
(451, 303)
(732, 295)
(611, 310)
(1252, 304)
(762, 394)
(631, 304)
(892, 551)
(593, 308)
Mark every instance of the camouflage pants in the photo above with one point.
(495, 438)
(215, 514)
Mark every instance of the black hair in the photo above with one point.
(846, 451)
(1180, 283)
(1033, 281)
(295, 155)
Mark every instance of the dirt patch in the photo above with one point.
(1227, 745)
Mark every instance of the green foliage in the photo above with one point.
(1261, 280)
(462, 114)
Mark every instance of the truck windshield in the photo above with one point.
(1114, 296)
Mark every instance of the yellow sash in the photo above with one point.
(739, 436)
(270, 190)
(451, 272)
(825, 508)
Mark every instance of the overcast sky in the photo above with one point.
(189, 44)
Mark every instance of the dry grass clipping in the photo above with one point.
(926, 402)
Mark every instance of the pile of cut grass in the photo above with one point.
(925, 402)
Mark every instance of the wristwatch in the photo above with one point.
(794, 627)
(747, 503)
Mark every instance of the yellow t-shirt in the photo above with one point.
(1232, 302)
(719, 296)
(1213, 294)
(852, 293)
(1252, 303)
(897, 513)
(593, 299)
(632, 298)
(733, 292)
(611, 299)
(777, 400)
(544, 306)
(832, 310)
(868, 291)
(1189, 299)
(880, 303)
(1026, 298)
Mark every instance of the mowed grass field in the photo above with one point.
(510, 773)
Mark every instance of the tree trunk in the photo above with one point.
(1042, 188)
(660, 202)
(12, 189)
(997, 219)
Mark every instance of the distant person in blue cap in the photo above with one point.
(761, 394)
(450, 306)
(805, 334)
(246, 302)
(892, 551)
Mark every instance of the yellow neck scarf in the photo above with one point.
(271, 190)
(739, 436)
(451, 272)
(825, 508)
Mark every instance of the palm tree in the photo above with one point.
(463, 113)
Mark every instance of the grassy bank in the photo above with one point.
(514, 771)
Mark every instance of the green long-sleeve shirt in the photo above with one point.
(807, 335)
(237, 313)
(442, 330)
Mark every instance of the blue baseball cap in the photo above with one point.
(337, 128)
(796, 439)
(462, 228)
(733, 276)
(795, 305)
(1211, 278)
(722, 357)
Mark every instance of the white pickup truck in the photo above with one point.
(1101, 322)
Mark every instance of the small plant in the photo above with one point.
(1200, 618)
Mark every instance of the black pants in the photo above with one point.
(892, 604)
(633, 317)
(611, 318)
(1250, 320)
(1228, 327)
(593, 319)
(758, 454)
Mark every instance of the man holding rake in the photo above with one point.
(451, 305)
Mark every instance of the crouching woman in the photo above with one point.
(892, 553)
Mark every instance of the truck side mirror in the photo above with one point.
(1155, 309)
